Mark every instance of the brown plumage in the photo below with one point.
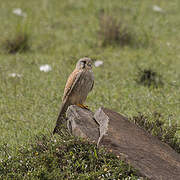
(78, 85)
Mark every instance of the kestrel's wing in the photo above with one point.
(60, 117)
(92, 85)
(71, 82)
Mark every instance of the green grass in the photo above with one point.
(62, 158)
(61, 32)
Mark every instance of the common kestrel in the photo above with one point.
(78, 85)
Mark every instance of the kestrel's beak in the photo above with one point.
(90, 65)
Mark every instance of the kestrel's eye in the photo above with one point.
(83, 62)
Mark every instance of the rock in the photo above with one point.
(81, 123)
(153, 159)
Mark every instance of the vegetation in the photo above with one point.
(148, 77)
(63, 158)
(18, 43)
(112, 31)
(140, 73)
(158, 128)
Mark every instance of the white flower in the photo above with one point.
(98, 63)
(19, 12)
(157, 8)
(15, 75)
(45, 68)
(9, 157)
(168, 44)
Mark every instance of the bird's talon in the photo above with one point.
(83, 106)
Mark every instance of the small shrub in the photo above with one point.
(167, 134)
(111, 31)
(18, 43)
(63, 157)
(149, 78)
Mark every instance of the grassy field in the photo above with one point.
(59, 32)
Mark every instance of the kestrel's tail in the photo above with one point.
(60, 117)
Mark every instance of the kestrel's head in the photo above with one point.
(84, 63)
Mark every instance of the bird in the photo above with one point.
(78, 85)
